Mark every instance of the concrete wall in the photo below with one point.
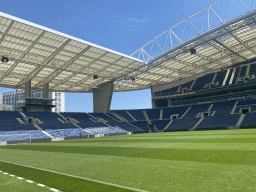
(102, 97)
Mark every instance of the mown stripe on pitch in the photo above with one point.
(194, 155)
(60, 181)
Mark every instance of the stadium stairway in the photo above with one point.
(146, 116)
(61, 120)
(38, 120)
(161, 114)
(168, 125)
(45, 132)
(195, 126)
(112, 116)
(21, 122)
(131, 116)
(118, 116)
(83, 129)
(22, 114)
(234, 108)
(62, 117)
(186, 112)
(240, 120)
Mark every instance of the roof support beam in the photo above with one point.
(22, 56)
(227, 48)
(6, 32)
(242, 42)
(40, 67)
(74, 74)
(58, 71)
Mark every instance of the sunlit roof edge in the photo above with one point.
(65, 35)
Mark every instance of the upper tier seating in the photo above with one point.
(202, 81)
(153, 114)
(252, 69)
(186, 85)
(229, 77)
(83, 119)
(141, 124)
(49, 120)
(103, 116)
(168, 111)
(114, 117)
(160, 124)
(247, 102)
(235, 76)
(137, 114)
(220, 77)
(243, 71)
(123, 114)
(171, 91)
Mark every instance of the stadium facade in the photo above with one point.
(10, 98)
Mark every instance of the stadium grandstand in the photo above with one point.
(203, 88)
(206, 81)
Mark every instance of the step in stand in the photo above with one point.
(194, 128)
(131, 116)
(146, 116)
(168, 125)
(45, 132)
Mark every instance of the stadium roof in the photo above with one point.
(43, 55)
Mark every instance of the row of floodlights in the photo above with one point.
(96, 77)
(5, 60)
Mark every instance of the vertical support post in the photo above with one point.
(102, 97)
(46, 90)
(28, 89)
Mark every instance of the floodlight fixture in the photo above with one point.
(95, 77)
(193, 51)
(4, 59)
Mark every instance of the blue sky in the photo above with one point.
(120, 25)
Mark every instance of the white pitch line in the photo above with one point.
(1, 171)
(12, 175)
(55, 190)
(83, 178)
(41, 185)
(6, 173)
(29, 181)
(20, 178)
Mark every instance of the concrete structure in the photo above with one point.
(8, 98)
(102, 97)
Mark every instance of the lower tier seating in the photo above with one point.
(67, 132)
(125, 126)
(35, 134)
(106, 130)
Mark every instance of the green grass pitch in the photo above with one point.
(222, 160)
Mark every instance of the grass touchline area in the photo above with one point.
(223, 160)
